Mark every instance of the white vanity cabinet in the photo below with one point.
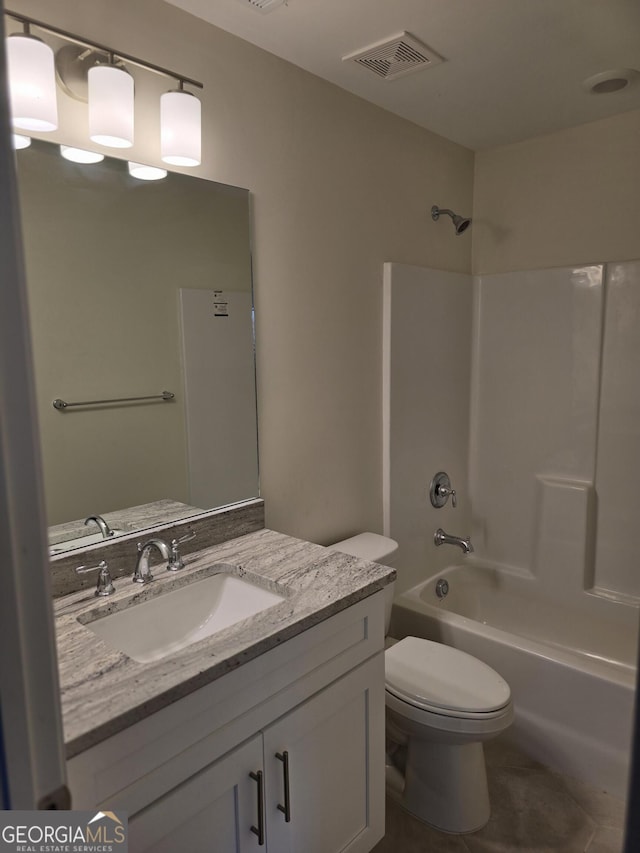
(331, 744)
(307, 715)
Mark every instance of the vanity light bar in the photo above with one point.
(33, 91)
(126, 57)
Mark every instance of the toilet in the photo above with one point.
(441, 704)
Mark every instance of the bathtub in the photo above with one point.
(570, 662)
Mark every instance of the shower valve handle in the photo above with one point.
(440, 490)
(445, 492)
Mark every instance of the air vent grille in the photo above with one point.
(395, 57)
(265, 5)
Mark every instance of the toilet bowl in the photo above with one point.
(441, 704)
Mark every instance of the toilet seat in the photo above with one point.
(474, 726)
(441, 680)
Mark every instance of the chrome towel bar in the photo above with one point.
(61, 405)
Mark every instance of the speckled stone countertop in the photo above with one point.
(103, 691)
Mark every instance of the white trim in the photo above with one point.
(386, 398)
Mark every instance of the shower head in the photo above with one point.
(460, 223)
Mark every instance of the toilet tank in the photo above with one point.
(378, 549)
(369, 546)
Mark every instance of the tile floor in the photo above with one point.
(533, 810)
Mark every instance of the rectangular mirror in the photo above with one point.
(137, 288)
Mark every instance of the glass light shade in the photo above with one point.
(32, 83)
(146, 173)
(180, 132)
(111, 106)
(80, 155)
(20, 141)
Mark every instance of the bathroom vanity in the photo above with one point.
(267, 735)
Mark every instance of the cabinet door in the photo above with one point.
(334, 745)
(212, 812)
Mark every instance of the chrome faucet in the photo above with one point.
(176, 562)
(442, 538)
(105, 585)
(142, 573)
(102, 524)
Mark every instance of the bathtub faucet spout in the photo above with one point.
(442, 538)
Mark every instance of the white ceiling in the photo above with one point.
(513, 68)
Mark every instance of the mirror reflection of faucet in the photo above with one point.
(102, 524)
(442, 538)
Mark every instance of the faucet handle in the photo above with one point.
(440, 490)
(104, 585)
(176, 562)
(446, 492)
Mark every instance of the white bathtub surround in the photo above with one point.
(535, 400)
(618, 462)
(547, 469)
(426, 394)
(564, 513)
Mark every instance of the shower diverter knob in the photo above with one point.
(440, 490)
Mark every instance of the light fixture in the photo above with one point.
(111, 106)
(80, 155)
(180, 132)
(146, 173)
(110, 89)
(20, 141)
(32, 83)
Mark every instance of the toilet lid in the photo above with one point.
(434, 676)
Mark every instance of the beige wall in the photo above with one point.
(571, 197)
(339, 186)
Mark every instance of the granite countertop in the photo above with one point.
(103, 691)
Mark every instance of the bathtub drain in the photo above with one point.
(442, 588)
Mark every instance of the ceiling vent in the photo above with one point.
(395, 57)
(265, 5)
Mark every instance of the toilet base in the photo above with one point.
(445, 786)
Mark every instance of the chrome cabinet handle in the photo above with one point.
(259, 831)
(286, 808)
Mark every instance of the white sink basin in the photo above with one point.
(172, 620)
